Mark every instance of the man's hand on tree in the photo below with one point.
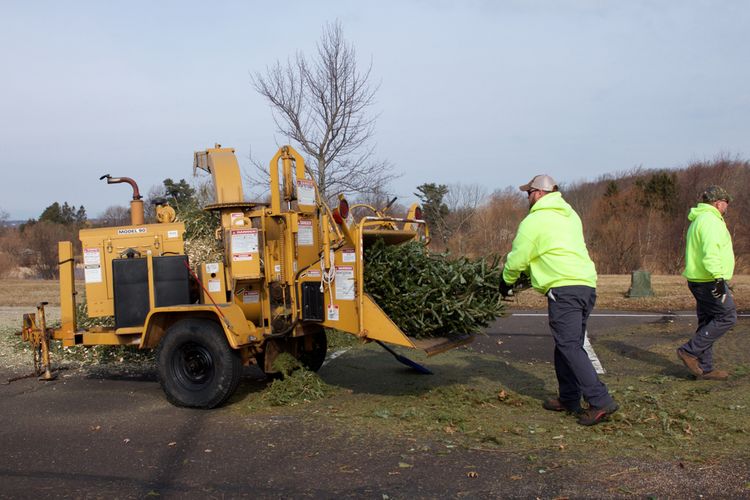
(506, 290)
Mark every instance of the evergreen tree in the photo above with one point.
(63, 214)
(179, 194)
(435, 210)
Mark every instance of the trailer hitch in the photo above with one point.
(38, 336)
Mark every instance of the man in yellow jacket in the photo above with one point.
(549, 247)
(709, 264)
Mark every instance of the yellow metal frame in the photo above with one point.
(286, 265)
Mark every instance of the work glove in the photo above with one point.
(506, 290)
(719, 290)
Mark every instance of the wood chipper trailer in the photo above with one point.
(290, 269)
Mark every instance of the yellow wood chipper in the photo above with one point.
(291, 268)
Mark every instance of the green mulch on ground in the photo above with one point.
(493, 402)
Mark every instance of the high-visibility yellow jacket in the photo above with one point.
(550, 247)
(708, 247)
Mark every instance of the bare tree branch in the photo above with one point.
(323, 104)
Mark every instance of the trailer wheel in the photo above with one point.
(197, 367)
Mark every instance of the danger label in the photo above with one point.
(244, 244)
(344, 283)
(305, 192)
(305, 233)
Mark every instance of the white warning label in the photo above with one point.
(92, 265)
(344, 283)
(236, 218)
(348, 255)
(244, 244)
(333, 313)
(250, 297)
(305, 233)
(305, 192)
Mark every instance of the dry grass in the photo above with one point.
(28, 292)
(670, 294)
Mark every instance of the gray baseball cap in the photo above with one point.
(543, 182)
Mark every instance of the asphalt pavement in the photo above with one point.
(84, 436)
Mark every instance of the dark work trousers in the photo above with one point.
(569, 308)
(715, 318)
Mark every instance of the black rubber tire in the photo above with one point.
(197, 367)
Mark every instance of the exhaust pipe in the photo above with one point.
(136, 204)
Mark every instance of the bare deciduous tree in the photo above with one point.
(378, 200)
(462, 201)
(115, 215)
(323, 104)
(41, 238)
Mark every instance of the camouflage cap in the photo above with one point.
(715, 193)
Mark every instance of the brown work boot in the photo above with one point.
(593, 415)
(715, 375)
(691, 362)
(554, 404)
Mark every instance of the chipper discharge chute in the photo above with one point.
(290, 268)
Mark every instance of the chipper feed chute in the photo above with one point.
(348, 301)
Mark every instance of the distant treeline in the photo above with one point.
(633, 220)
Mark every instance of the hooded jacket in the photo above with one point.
(550, 247)
(708, 248)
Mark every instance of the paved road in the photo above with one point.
(82, 437)
(526, 336)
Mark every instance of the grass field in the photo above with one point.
(671, 294)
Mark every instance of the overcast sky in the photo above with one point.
(478, 92)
